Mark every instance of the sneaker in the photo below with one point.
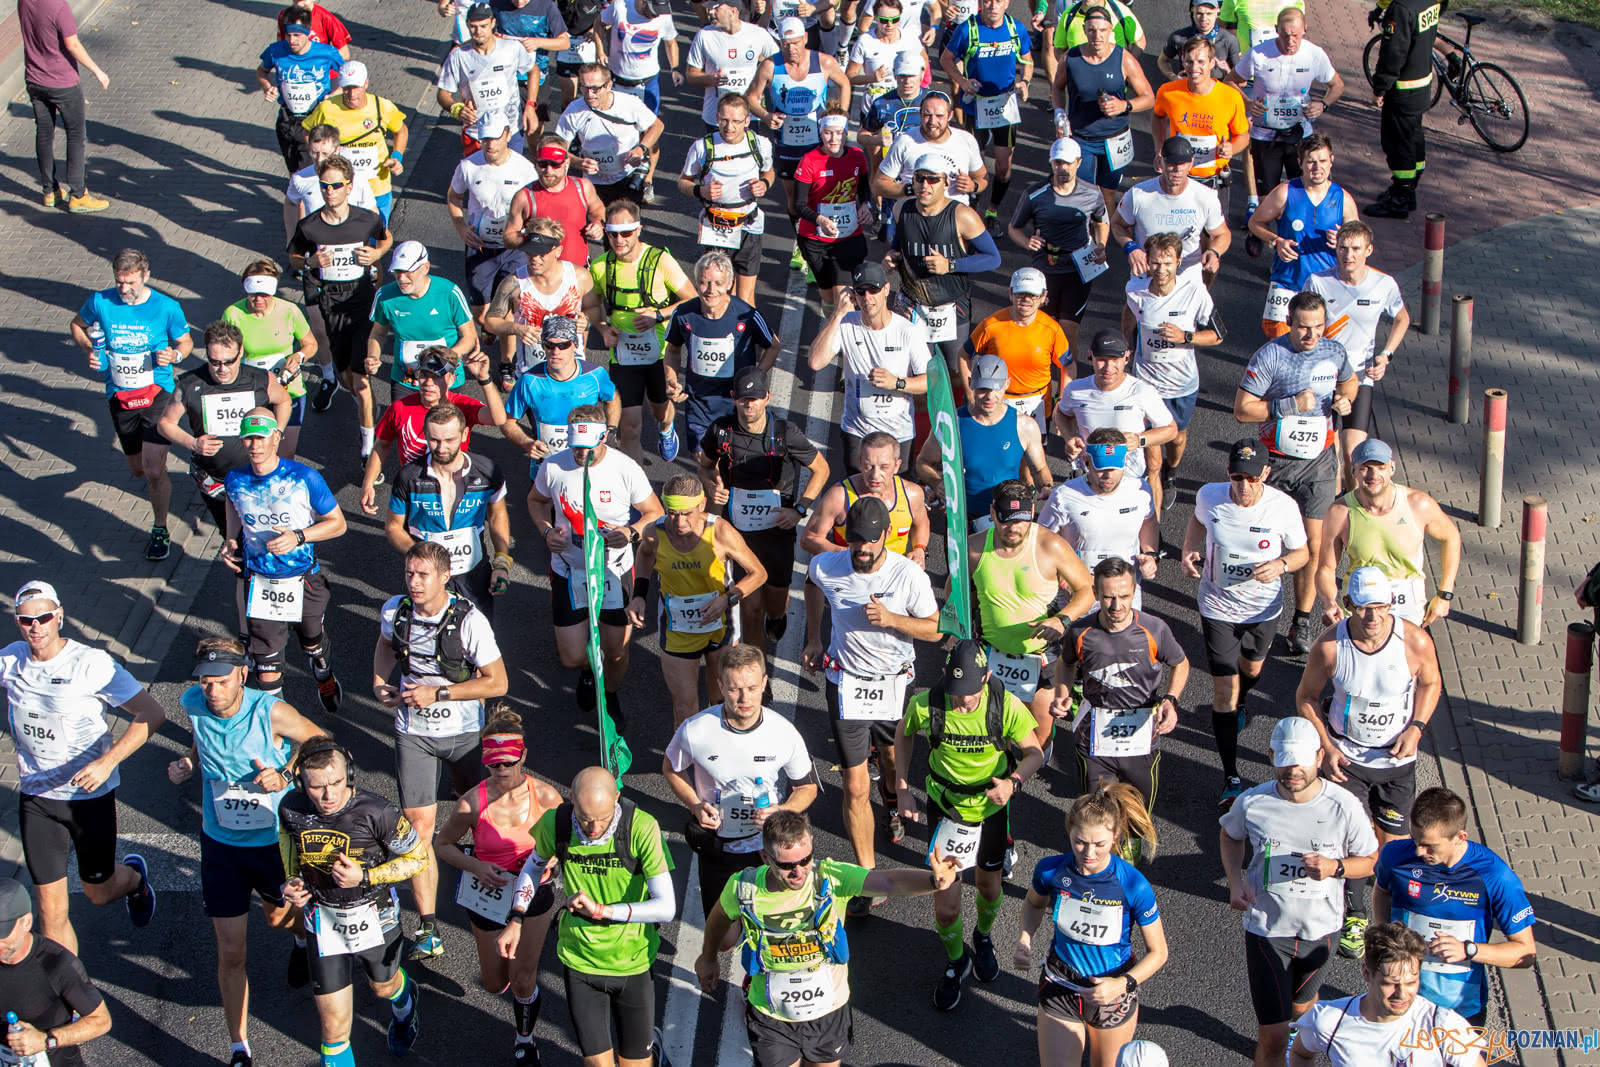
(585, 696)
(668, 444)
(1387, 207)
(991, 221)
(776, 628)
(1301, 635)
(874, 772)
(948, 994)
(659, 1047)
(331, 693)
(322, 399)
(525, 1053)
(796, 260)
(1231, 788)
(858, 908)
(1589, 789)
(985, 964)
(160, 546)
(508, 378)
(241, 1058)
(59, 195)
(894, 826)
(1353, 938)
(649, 194)
(402, 1035)
(299, 967)
(1253, 246)
(87, 204)
(429, 945)
(142, 901)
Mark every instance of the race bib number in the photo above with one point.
(492, 228)
(267, 361)
(1277, 306)
(491, 902)
(1121, 731)
(686, 614)
(721, 236)
(411, 351)
(1283, 110)
(1373, 723)
(1088, 268)
(222, 412)
(712, 357)
(275, 599)
(996, 111)
(753, 510)
(1301, 436)
(799, 130)
(737, 803)
(40, 734)
(586, 52)
(878, 700)
(797, 996)
(735, 81)
(1425, 927)
(242, 806)
(610, 596)
(342, 264)
(1089, 922)
(1119, 149)
(554, 437)
(1410, 598)
(844, 216)
(347, 931)
(300, 97)
(489, 92)
(465, 547)
(1019, 674)
(639, 349)
(1236, 568)
(435, 720)
(609, 161)
(957, 841)
(1204, 145)
(1288, 875)
(132, 370)
(363, 159)
(938, 323)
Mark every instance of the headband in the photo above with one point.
(261, 285)
(835, 122)
(501, 749)
(684, 503)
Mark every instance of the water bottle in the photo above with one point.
(763, 800)
(97, 346)
(13, 1025)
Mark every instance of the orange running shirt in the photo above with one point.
(1030, 352)
(1206, 120)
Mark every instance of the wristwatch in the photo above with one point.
(484, 381)
(300, 537)
(443, 692)
(1444, 595)
(803, 507)
(51, 1043)
(1188, 337)
(1471, 949)
(633, 536)
(1016, 780)
(1338, 872)
(900, 385)
(1133, 983)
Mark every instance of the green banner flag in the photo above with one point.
(956, 617)
(614, 751)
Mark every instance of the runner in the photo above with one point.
(1034, 349)
(751, 460)
(1302, 218)
(479, 202)
(1111, 397)
(884, 363)
(365, 121)
(582, 19)
(1243, 538)
(1453, 893)
(1383, 524)
(568, 199)
(987, 63)
(1402, 87)
(1293, 386)
(880, 603)
(1119, 652)
(1207, 113)
(890, 115)
(625, 507)
(477, 85)
(1306, 837)
(326, 27)
(962, 159)
(547, 286)
(1094, 898)
(725, 54)
(997, 445)
(639, 31)
(1255, 21)
(1103, 513)
(735, 765)
(875, 53)
(1064, 224)
(215, 397)
(546, 395)
(448, 665)
(1171, 203)
(711, 341)
(243, 743)
(615, 134)
(834, 190)
(501, 814)
(57, 692)
(691, 554)
(417, 311)
(617, 874)
(278, 509)
(56, 1006)
(637, 288)
(335, 249)
(729, 171)
(795, 946)
(982, 749)
(543, 29)
(1202, 23)
(344, 849)
(1358, 297)
(1384, 694)
(906, 502)
(1097, 87)
(275, 338)
(1071, 31)
(1389, 1020)
(1167, 315)
(133, 334)
(296, 72)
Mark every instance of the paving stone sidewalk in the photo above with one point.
(1535, 286)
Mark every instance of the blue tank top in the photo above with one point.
(1085, 80)
(991, 455)
(228, 751)
(806, 96)
(1308, 225)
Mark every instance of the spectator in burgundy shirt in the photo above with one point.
(51, 54)
(325, 25)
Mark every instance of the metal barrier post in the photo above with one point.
(1491, 476)
(1530, 590)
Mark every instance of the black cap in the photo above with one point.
(14, 904)
(870, 275)
(479, 12)
(216, 662)
(965, 668)
(750, 383)
(1109, 343)
(866, 521)
(1177, 150)
(1248, 457)
(1013, 502)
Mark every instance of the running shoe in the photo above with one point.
(429, 945)
(299, 967)
(985, 964)
(87, 204)
(894, 826)
(649, 194)
(1231, 788)
(142, 901)
(402, 1035)
(331, 693)
(1353, 938)
(667, 445)
(1589, 789)
(525, 1053)
(948, 994)
(777, 627)
(241, 1058)
(991, 221)
(659, 1047)
(160, 546)
(1301, 635)
(1008, 864)
(796, 260)
(322, 399)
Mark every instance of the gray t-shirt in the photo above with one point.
(1277, 374)
(1225, 44)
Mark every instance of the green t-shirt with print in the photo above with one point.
(966, 755)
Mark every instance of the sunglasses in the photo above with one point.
(545, 164)
(220, 363)
(559, 346)
(503, 766)
(594, 88)
(929, 179)
(333, 185)
(1242, 478)
(888, 22)
(795, 865)
(40, 620)
(868, 290)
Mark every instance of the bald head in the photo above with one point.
(594, 800)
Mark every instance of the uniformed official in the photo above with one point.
(1402, 85)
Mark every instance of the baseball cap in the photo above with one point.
(866, 520)
(1106, 457)
(353, 74)
(1066, 150)
(750, 383)
(1367, 586)
(1146, 1053)
(215, 662)
(870, 275)
(1028, 280)
(1371, 451)
(989, 371)
(479, 12)
(908, 63)
(1295, 743)
(37, 591)
(1247, 457)
(258, 426)
(1013, 502)
(791, 27)
(14, 904)
(1109, 343)
(558, 328)
(965, 667)
(408, 255)
(1177, 150)
(1203, 3)
(933, 163)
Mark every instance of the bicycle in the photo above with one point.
(1484, 93)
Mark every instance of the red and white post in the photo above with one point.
(1460, 357)
(1530, 591)
(1575, 698)
(1432, 272)
(1491, 476)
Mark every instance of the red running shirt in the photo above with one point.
(835, 180)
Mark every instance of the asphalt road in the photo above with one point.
(160, 981)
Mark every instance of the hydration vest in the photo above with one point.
(835, 946)
(994, 733)
(451, 651)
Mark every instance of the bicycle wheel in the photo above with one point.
(1496, 106)
(1369, 60)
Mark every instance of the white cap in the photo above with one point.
(1367, 586)
(1141, 1054)
(408, 255)
(261, 285)
(36, 591)
(1028, 280)
(1295, 743)
(791, 27)
(908, 63)
(1066, 150)
(932, 162)
(353, 74)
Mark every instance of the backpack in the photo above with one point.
(451, 651)
(621, 841)
(972, 39)
(994, 733)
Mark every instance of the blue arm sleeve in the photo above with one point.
(983, 257)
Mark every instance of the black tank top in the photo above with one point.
(227, 405)
(919, 235)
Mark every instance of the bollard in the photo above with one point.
(1575, 698)
(1432, 272)
(1491, 476)
(1460, 356)
(1530, 591)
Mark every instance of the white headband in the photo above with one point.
(621, 227)
(261, 285)
(586, 434)
(835, 122)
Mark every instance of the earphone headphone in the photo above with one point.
(318, 748)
